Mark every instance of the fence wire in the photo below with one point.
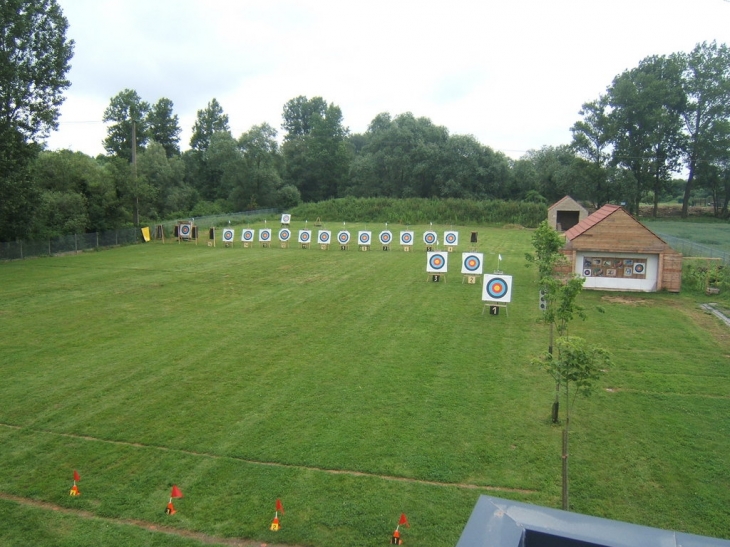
(16, 250)
(692, 249)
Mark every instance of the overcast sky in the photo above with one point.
(513, 73)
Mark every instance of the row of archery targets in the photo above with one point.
(496, 287)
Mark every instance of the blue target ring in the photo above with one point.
(284, 234)
(324, 237)
(305, 236)
(247, 235)
(638, 268)
(472, 263)
(228, 235)
(185, 229)
(385, 237)
(450, 238)
(497, 288)
(437, 262)
(406, 238)
(429, 237)
(343, 237)
(364, 239)
(264, 236)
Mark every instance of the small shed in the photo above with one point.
(565, 214)
(614, 251)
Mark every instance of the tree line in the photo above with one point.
(667, 116)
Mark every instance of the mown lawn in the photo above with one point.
(344, 384)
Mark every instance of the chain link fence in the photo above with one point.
(690, 248)
(15, 250)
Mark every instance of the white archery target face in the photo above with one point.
(247, 235)
(451, 238)
(284, 234)
(472, 263)
(285, 218)
(228, 235)
(639, 268)
(343, 237)
(386, 237)
(437, 262)
(305, 236)
(324, 237)
(363, 238)
(587, 272)
(430, 238)
(497, 288)
(185, 230)
(406, 238)
(265, 234)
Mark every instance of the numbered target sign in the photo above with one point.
(186, 230)
(386, 237)
(284, 234)
(406, 238)
(305, 236)
(247, 235)
(471, 263)
(451, 238)
(497, 288)
(285, 218)
(324, 237)
(430, 238)
(265, 235)
(363, 238)
(437, 262)
(228, 235)
(343, 237)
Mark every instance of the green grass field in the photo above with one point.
(344, 384)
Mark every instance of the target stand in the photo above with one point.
(284, 245)
(364, 248)
(494, 308)
(324, 246)
(305, 245)
(386, 247)
(471, 279)
(211, 237)
(406, 248)
(436, 277)
(344, 247)
(159, 233)
(186, 231)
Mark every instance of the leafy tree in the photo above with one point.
(579, 365)
(34, 61)
(127, 113)
(592, 142)
(299, 114)
(554, 167)
(210, 120)
(646, 104)
(263, 164)
(706, 84)
(164, 127)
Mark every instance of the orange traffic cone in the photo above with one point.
(75, 489)
(275, 525)
(396, 540)
(170, 508)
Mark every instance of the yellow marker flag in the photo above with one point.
(146, 233)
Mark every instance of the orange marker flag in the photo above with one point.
(176, 493)
(403, 520)
(279, 506)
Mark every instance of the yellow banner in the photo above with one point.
(146, 233)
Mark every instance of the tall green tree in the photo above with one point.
(202, 174)
(706, 84)
(34, 60)
(209, 120)
(592, 142)
(646, 124)
(127, 114)
(164, 126)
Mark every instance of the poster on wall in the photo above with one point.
(611, 266)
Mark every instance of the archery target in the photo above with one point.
(247, 235)
(284, 234)
(324, 237)
(386, 237)
(185, 230)
(228, 235)
(639, 268)
(363, 238)
(343, 237)
(265, 234)
(285, 218)
(587, 272)
(406, 238)
(305, 236)
(430, 238)
(437, 262)
(451, 238)
(471, 263)
(497, 288)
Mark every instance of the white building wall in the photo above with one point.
(649, 284)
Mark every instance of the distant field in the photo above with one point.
(714, 234)
(344, 384)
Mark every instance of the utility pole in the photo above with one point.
(134, 173)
